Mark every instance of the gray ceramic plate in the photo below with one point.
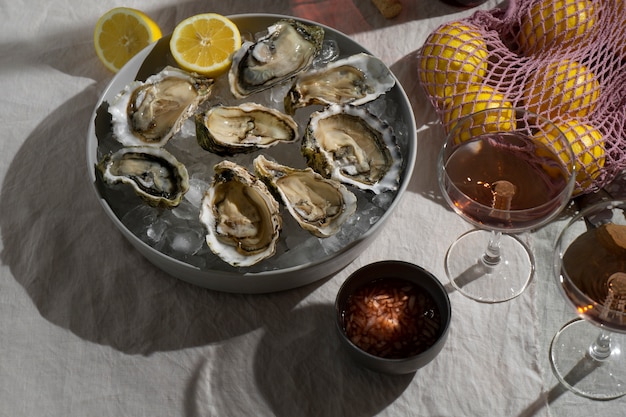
(301, 258)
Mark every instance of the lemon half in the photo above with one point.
(122, 32)
(204, 44)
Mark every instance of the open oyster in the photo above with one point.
(149, 113)
(241, 216)
(357, 79)
(228, 130)
(353, 146)
(155, 175)
(319, 205)
(288, 48)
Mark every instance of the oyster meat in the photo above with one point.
(351, 145)
(357, 79)
(289, 47)
(319, 205)
(149, 113)
(241, 216)
(229, 130)
(154, 174)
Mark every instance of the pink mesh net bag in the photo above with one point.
(563, 59)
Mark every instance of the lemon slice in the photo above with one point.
(204, 44)
(122, 32)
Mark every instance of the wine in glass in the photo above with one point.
(590, 265)
(504, 170)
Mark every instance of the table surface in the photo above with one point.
(89, 327)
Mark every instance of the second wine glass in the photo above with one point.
(505, 170)
(588, 355)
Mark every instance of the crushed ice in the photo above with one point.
(178, 232)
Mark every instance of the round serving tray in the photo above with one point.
(294, 266)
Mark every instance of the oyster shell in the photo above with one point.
(319, 205)
(357, 79)
(154, 174)
(351, 145)
(241, 216)
(228, 130)
(288, 48)
(149, 113)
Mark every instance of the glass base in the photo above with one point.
(475, 279)
(582, 374)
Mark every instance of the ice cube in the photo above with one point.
(139, 219)
(383, 200)
(186, 211)
(309, 250)
(182, 240)
(154, 232)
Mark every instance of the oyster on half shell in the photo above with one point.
(154, 174)
(319, 205)
(229, 130)
(289, 47)
(149, 113)
(351, 145)
(241, 217)
(357, 79)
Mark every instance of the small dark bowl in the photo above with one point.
(390, 272)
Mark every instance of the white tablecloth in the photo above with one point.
(89, 328)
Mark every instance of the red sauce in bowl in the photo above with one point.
(392, 318)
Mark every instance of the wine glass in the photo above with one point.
(504, 170)
(590, 265)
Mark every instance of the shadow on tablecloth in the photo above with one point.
(80, 271)
(430, 133)
(297, 368)
(71, 51)
(77, 268)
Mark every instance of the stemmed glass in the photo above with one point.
(590, 265)
(504, 170)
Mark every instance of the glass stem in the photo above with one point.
(600, 349)
(491, 257)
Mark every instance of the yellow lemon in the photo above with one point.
(556, 24)
(122, 32)
(562, 88)
(587, 145)
(204, 44)
(474, 101)
(454, 55)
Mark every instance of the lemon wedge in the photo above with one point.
(204, 44)
(122, 32)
